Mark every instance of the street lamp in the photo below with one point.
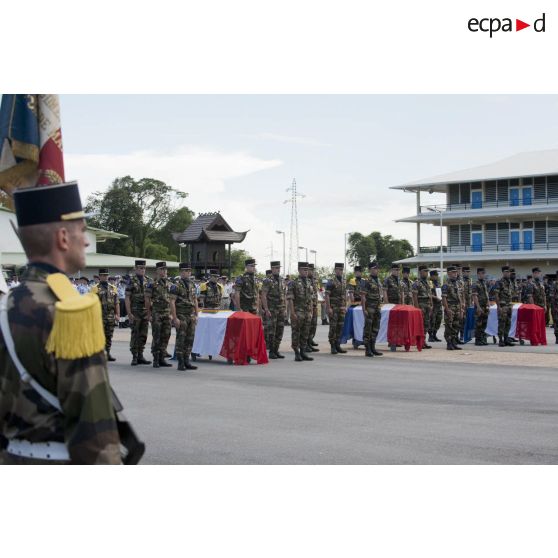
(439, 211)
(180, 246)
(284, 260)
(303, 248)
(315, 258)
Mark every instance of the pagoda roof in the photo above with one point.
(209, 227)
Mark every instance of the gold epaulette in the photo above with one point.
(77, 330)
(352, 282)
(203, 287)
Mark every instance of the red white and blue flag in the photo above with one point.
(30, 141)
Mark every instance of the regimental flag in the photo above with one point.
(30, 142)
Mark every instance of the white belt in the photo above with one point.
(51, 451)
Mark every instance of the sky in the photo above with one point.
(238, 154)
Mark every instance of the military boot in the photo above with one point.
(334, 350)
(181, 365)
(155, 360)
(373, 349)
(313, 343)
(509, 342)
(449, 347)
(339, 348)
(501, 342)
(312, 349)
(163, 363)
(368, 347)
(110, 358)
(455, 347)
(142, 360)
(134, 360)
(278, 354)
(431, 338)
(272, 355)
(189, 365)
(304, 356)
(298, 358)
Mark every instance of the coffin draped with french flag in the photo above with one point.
(400, 324)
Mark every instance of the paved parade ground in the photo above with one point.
(480, 405)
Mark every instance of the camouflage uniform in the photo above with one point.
(480, 288)
(373, 295)
(275, 324)
(466, 284)
(451, 291)
(184, 295)
(406, 291)
(300, 291)
(393, 289)
(108, 295)
(87, 424)
(135, 290)
(553, 303)
(504, 289)
(314, 320)
(437, 309)
(211, 295)
(355, 287)
(422, 289)
(336, 288)
(536, 289)
(158, 292)
(247, 288)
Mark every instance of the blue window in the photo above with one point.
(476, 242)
(527, 196)
(514, 240)
(527, 240)
(476, 199)
(514, 196)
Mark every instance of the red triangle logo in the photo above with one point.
(519, 25)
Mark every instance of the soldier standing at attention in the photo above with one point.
(422, 299)
(392, 286)
(273, 302)
(535, 290)
(516, 295)
(503, 291)
(371, 301)
(63, 413)
(482, 306)
(406, 287)
(212, 291)
(137, 313)
(436, 317)
(355, 286)
(110, 305)
(466, 297)
(299, 297)
(158, 313)
(184, 311)
(336, 306)
(453, 309)
(553, 303)
(311, 344)
(246, 297)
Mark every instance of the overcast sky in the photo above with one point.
(239, 154)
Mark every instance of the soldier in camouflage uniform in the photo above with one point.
(246, 292)
(516, 294)
(436, 316)
(137, 314)
(263, 315)
(503, 291)
(273, 303)
(157, 304)
(336, 307)
(422, 299)
(535, 290)
(311, 345)
(355, 286)
(110, 305)
(406, 287)
(479, 292)
(467, 298)
(371, 301)
(211, 292)
(299, 298)
(453, 309)
(553, 303)
(69, 417)
(392, 286)
(184, 311)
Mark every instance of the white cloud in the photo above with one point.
(193, 169)
(299, 140)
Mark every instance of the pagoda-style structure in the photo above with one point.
(209, 239)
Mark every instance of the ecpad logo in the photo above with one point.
(493, 25)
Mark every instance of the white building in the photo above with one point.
(12, 256)
(502, 213)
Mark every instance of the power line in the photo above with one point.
(293, 240)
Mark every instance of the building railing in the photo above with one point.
(490, 204)
(513, 247)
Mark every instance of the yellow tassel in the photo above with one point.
(77, 331)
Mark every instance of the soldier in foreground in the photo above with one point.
(436, 316)
(273, 302)
(184, 311)
(503, 292)
(63, 413)
(371, 300)
(137, 313)
(482, 306)
(157, 304)
(299, 298)
(108, 295)
(246, 297)
(453, 309)
(422, 299)
(336, 307)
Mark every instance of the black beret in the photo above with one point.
(394, 266)
(275, 264)
(505, 268)
(250, 261)
(358, 268)
(373, 265)
(185, 265)
(457, 266)
(140, 262)
(406, 269)
(310, 266)
(466, 268)
(480, 269)
(451, 268)
(339, 265)
(213, 272)
(161, 264)
(302, 265)
(48, 204)
(529, 277)
(536, 269)
(103, 271)
(512, 269)
(423, 267)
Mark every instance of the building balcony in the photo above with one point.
(514, 247)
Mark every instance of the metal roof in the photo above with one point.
(529, 163)
(211, 227)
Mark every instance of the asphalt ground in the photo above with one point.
(481, 405)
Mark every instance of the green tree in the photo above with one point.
(385, 249)
(178, 221)
(138, 208)
(237, 261)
